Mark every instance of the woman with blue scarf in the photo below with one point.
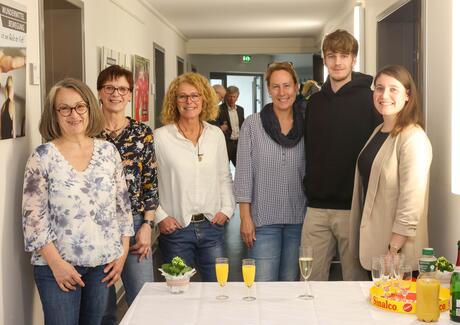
(268, 180)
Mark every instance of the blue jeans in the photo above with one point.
(198, 244)
(276, 252)
(83, 306)
(134, 275)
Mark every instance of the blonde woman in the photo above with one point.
(194, 181)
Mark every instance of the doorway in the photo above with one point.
(62, 41)
(399, 38)
(159, 58)
(250, 86)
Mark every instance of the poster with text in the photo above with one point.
(13, 30)
(141, 88)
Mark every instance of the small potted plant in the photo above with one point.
(444, 271)
(177, 275)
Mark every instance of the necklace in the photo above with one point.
(199, 154)
(114, 133)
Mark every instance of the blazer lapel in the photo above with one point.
(374, 177)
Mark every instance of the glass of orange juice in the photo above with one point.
(249, 273)
(222, 276)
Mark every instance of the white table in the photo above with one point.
(277, 303)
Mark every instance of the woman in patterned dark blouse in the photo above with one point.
(134, 141)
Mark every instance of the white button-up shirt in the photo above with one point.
(186, 185)
(234, 122)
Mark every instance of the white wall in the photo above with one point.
(131, 27)
(17, 290)
(106, 24)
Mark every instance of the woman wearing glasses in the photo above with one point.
(268, 180)
(134, 141)
(76, 212)
(194, 181)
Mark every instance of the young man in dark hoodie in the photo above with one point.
(339, 120)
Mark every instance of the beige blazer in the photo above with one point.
(397, 198)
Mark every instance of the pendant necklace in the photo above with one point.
(199, 154)
(114, 133)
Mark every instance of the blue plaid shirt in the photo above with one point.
(269, 176)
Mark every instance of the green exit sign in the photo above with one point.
(246, 59)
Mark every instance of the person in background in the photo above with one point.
(134, 142)
(230, 120)
(7, 112)
(390, 196)
(268, 180)
(194, 181)
(309, 87)
(338, 121)
(76, 212)
(220, 92)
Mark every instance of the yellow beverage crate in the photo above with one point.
(405, 307)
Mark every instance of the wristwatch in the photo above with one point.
(151, 223)
(394, 249)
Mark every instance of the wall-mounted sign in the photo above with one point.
(246, 59)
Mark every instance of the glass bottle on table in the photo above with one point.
(455, 290)
(427, 288)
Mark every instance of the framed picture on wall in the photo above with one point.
(13, 30)
(141, 88)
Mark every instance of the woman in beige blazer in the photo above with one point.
(390, 197)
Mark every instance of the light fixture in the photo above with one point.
(358, 28)
(455, 100)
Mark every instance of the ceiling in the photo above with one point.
(249, 18)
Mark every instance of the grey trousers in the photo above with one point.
(325, 230)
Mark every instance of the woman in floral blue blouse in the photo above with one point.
(134, 141)
(76, 211)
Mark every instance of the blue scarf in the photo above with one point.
(272, 126)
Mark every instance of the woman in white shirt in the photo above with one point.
(194, 181)
(76, 211)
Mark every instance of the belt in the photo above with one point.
(198, 218)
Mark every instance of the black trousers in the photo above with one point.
(232, 146)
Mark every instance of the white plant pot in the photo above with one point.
(444, 278)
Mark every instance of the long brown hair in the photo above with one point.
(411, 112)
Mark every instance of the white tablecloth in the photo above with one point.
(277, 303)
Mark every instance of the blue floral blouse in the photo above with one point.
(84, 214)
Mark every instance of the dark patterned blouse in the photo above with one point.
(135, 145)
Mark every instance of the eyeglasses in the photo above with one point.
(184, 98)
(280, 63)
(109, 90)
(80, 108)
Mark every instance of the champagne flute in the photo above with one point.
(249, 273)
(387, 276)
(306, 264)
(222, 276)
(376, 271)
(405, 280)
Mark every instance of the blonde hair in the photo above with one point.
(281, 65)
(210, 111)
(49, 126)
